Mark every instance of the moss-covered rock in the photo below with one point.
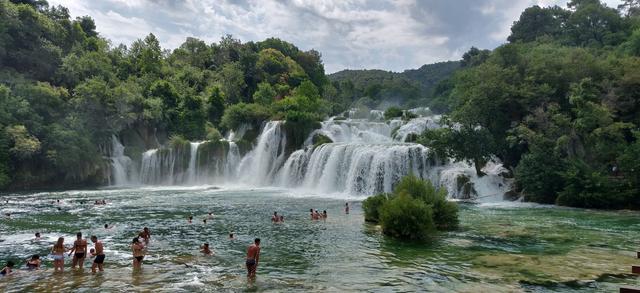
(320, 139)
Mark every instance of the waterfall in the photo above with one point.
(355, 168)
(259, 166)
(120, 164)
(367, 155)
(192, 170)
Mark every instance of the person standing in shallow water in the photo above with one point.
(57, 252)
(253, 256)
(138, 253)
(80, 249)
(99, 254)
(346, 208)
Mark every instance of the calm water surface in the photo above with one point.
(500, 247)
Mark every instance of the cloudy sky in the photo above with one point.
(350, 34)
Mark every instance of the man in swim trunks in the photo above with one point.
(80, 249)
(275, 217)
(37, 236)
(99, 254)
(253, 256)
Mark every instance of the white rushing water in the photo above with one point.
(367, 156)
(121, 165)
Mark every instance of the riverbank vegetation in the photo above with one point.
(414, 210)
(559, 104)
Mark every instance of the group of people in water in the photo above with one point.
(80, 250)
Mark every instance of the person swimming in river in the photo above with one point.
(253, 257)
(190, 219)
(138, 253)
(210, 215)
(7, 269)
(324, 214)
(346, 208)
(37, 236)
(57, 253)
(231, 237)
(275, 217)
(281, 219)
(205, 249)
(80, 249)
(107, 227)
(34, 262)
(98, 253)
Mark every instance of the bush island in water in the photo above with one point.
(414, 210)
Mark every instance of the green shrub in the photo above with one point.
(241, 113)
(406, 217)
(212, 133)
(371, 207)
(397, 212)
(177, 141)
(392, 112)
(298, 126)
(320, 139)
(538, 174)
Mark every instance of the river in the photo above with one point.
(500, 247)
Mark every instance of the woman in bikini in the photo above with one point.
(138, 253)
(57, 253)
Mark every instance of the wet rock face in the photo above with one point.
(466, 188)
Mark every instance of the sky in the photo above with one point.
(351, 34)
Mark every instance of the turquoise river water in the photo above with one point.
(500, 247)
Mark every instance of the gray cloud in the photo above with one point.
(391, 35)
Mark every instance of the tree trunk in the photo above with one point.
(479, 163)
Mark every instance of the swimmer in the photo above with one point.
(253, 257)
(138, 253)
(98, 252)
(324, 214)
(57, 252)
(204, 221)
(80, 249)
(231, 237)
(210, 215)
(190, 219)
(7, 269)
(346, 208)
(275, 217)
(281, 218)
(205, 249)
(37, 236)
(107, 227)
(34, 262)
(311, 213)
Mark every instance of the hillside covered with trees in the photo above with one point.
(559, 104)
(65, 90)
(379, 89)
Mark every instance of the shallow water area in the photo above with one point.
(500, 247)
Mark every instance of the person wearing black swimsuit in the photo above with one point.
(138, 253)
(7, 269)
(34, 262)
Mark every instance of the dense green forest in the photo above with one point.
(65, 90)
(559, 104)
(379, 89)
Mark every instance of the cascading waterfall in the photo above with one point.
(355, 168)
(192, 170)
(366, 156)
(259, 166)
(120, 164)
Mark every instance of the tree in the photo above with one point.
(232, 81)
(215, 105)
(536, 22)
(265, 94)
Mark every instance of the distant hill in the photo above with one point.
(380, 89)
